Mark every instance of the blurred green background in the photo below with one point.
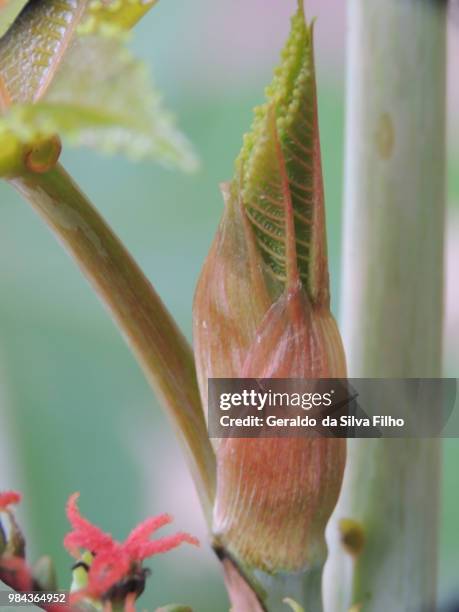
(75, 411)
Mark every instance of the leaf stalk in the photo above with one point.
(155, 339)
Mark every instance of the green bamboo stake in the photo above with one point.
(393, 294)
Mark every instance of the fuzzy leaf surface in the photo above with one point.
(101, 97)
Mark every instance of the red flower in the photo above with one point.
(7, 498)
(115, 561)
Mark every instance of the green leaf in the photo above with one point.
(9, 10)
(32, 49)
(261, 168)
(102, 97)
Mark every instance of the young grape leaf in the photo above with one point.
(260, 169)
(102, 97)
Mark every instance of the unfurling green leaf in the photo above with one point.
(101, 97)
(260, 168)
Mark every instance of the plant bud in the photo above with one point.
(262, 311)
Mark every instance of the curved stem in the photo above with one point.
(158, 344)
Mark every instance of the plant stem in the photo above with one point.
(393, 288)
(257, 591)
(158, 344)
(305, 588)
